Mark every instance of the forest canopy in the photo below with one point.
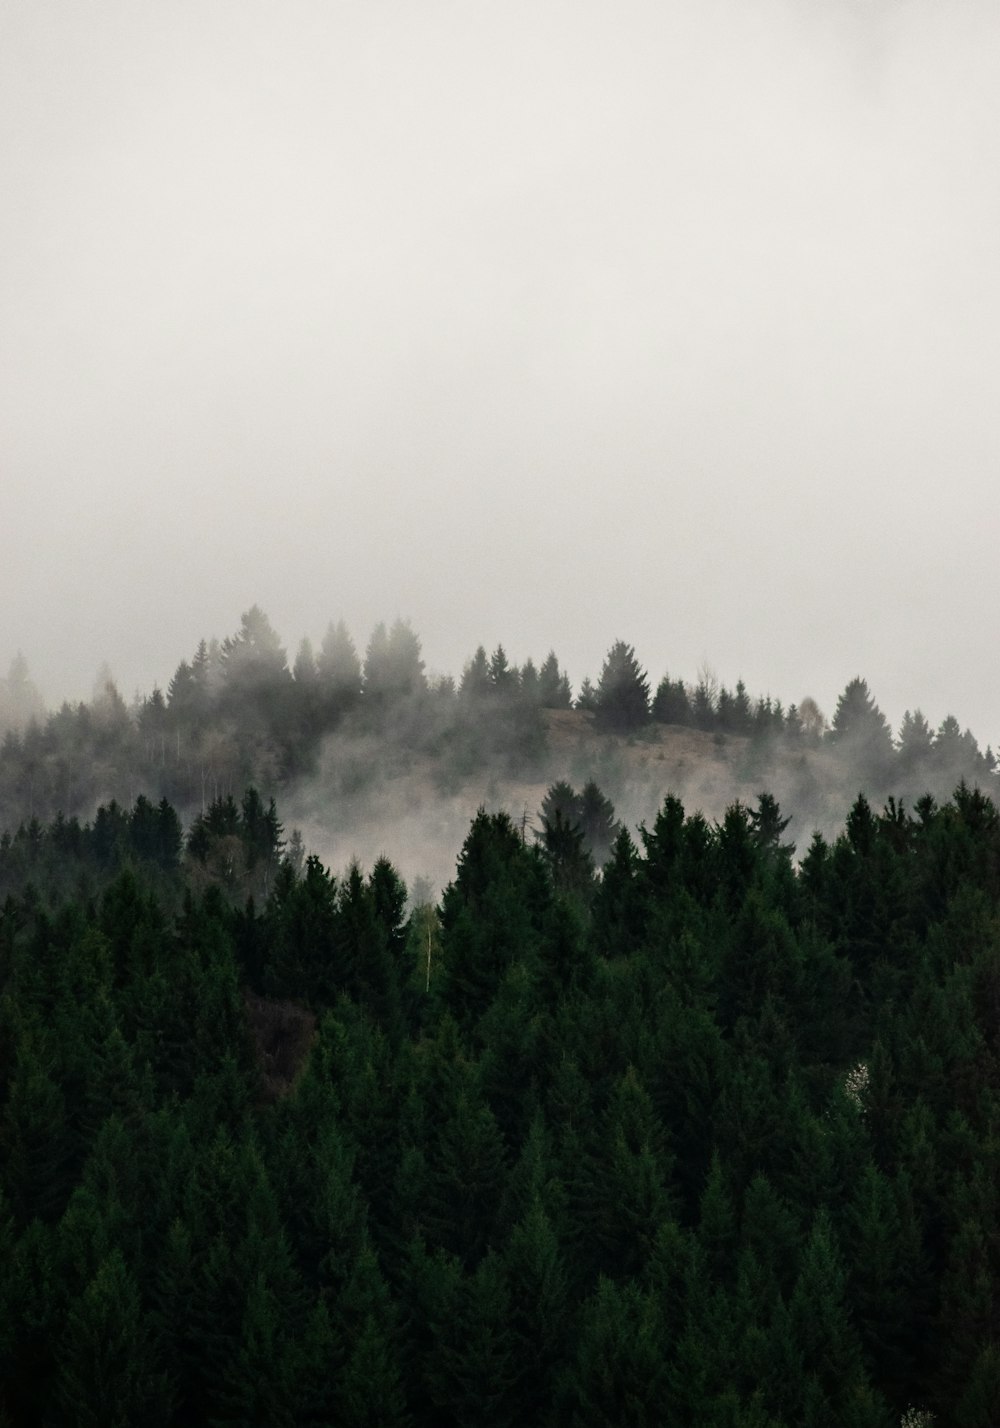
(708, 1138)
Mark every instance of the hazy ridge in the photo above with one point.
(367, 756)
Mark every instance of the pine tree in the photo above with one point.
(915, 744)
(703, 710)
(622, 1190)
(255, 677)
(622, 697)
(671, 704)
(338, 673)
(107, 1374)
(540, 1312)
(819, 1315)
(618, 907)
(979, 1403)
(565, 845)
(597, 821)
(530, 686)
(861, 734)
(619, 1374)
(553, 685)
(586, 700)
(502, 677)
(393, 668)
(473, 1370)
(475, 683)
(491, 914)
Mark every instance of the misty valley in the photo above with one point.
(380, 1049)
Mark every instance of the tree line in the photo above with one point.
(240, 713)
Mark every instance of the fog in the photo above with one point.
(546, 323)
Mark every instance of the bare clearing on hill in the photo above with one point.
(411, 808)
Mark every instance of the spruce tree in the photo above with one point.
(622, 697)
(553, 685)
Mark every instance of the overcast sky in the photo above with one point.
(548, 323)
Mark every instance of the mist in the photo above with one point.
(365, 758)
(543, 324)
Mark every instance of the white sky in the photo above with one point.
(541, 322)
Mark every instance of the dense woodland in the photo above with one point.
(669, 1126)
(711, 1139)
(240, 713)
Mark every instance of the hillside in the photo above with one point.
(710, 1140)
(415, 810)
(366, 755)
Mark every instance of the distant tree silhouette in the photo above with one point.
(254, 656)
(338, 671)
(670, 703)
(860, 733)
(553, 685)
(529, 682)
(622, 699)
(587, 698)
(503, 678)
(476, 676)
(393, 668)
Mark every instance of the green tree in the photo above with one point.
(35, 1139)
(564, 842)
(915, 744)
(618, 906)
(622, 698)
(540, 1312)
(529, 685)
(107, 1373)
(861, 735)
(622, 1189)
(671, 704)
(618, 1377)
(473, 1370)
(553, 685)
(597, 820)
(491, 914)
(586, 700)
(475, 683)
(820, 1317)
(338, 673)
(502, 676)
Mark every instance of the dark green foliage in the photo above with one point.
(618, 1374)
(597, 820)
(617, 906)
(565, 843)
(671, 704)
(503, 679)
(553, 685)
(472, 1371)
(861, 733)
(490, 913)
(703, 706)
(107, 1371)
(716, 1145)
(622, 697)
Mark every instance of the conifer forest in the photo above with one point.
(685, 1122)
